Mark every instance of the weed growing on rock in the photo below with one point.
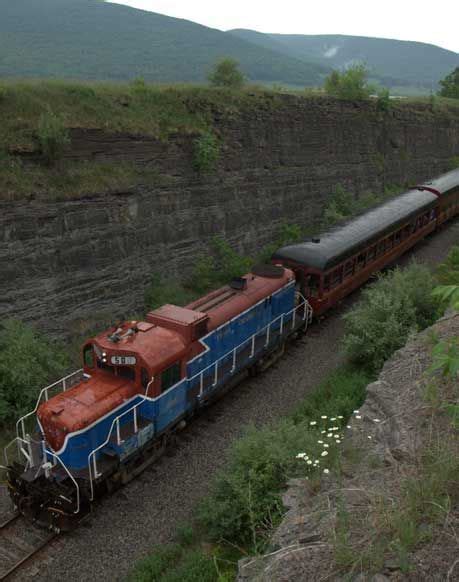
(206, 153)
(52, 136)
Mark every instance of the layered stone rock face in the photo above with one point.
(68, 260)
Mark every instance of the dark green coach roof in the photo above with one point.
(443, 184)
(343, 241)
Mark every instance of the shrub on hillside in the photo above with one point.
(349, 84)
(226, 73)
(399, 304)
(52, 136)
(28, 362)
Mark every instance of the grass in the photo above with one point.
(69, 180)
(137, 108)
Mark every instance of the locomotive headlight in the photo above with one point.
(104, 355)
(104, 360)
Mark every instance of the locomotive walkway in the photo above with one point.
(147, 511)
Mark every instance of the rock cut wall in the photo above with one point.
(64, 261)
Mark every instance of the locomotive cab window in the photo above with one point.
(88, 356)
(170, 376)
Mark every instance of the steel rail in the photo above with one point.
(29, 555)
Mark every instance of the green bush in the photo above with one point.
(399, 304)
(152, 568)
(450, 85)
(245, 500)
(447, 272)
(171, 563)
(220, 268)
(383, 103)
(340, 206)
(206, 152)
(28, 362)
(350, 84)
(52, 136)
(162, 291)
(226, 73)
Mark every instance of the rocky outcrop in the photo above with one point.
(63, 261)
(347, 517)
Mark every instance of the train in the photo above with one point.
(142, 381)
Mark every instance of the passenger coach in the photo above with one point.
(330, 266)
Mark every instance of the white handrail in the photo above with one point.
(44, 391)
(70, 475)
(92, 457)
(307, 316)
(116, 421)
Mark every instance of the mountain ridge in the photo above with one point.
(390, 61)
(89, 39)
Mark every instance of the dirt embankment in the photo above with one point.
(392, 511)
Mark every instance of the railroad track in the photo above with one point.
(19, 543)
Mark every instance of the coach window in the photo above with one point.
(170, 376)
(398, 237)
(327, 283)
(337, 277)
(349, 268)
(312, 285)
(371, 253)
(361, 260)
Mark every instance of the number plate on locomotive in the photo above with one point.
(123, 360)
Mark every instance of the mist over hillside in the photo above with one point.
(392, 62)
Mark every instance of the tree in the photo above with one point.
(226, 73)
(450, 85)
(350, 84)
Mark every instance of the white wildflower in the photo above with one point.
(348, 426)
(309, 462)
(313, 422)
(326, 471)
(376, 420)
(320, 442)
(334, 418)
(329, 435)
(356, 411)
(369, 437)
(301, 455)
(324, 454)
(336, 436)
(340, 416)
(338, 441)
(359, 417)
(323, 431)
(326, 446)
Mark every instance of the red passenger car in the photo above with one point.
(331, 265)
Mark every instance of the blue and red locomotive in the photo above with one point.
(142, 381)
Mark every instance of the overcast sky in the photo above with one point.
(430, 21)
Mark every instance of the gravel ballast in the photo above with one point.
(126, 526)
